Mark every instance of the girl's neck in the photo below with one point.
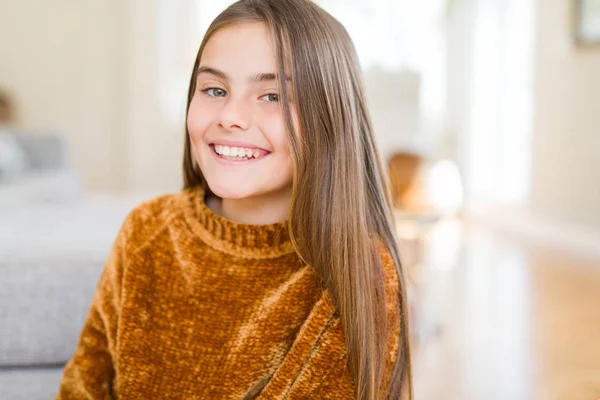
(261, 210)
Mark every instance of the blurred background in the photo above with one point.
(487, 114)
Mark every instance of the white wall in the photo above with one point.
(566, 159)
(490, 96)
(393, 101)
(460, 26)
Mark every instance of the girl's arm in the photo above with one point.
(90, 373)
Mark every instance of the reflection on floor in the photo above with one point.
(504, 319)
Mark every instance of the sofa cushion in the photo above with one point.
(34, 187)
(13, 159)
(30, 383)
(45, 151)
(51, 257)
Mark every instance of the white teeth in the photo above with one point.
(238, 152)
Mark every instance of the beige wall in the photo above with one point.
(154, 145)
(60, 59)
(88, 71)
(566, 142)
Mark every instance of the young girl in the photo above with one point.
(274, 274)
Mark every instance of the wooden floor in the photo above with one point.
(505, 319)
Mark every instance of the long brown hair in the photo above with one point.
(340, 200)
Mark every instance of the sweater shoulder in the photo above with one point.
(149, 218)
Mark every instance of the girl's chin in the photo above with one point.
(226, 192)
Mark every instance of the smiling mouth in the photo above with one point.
(239, 154)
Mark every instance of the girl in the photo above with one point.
(274, 274)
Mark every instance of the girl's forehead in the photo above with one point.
(241, 47)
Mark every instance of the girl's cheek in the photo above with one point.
(192, 126)
(198, 121)
(273, 126)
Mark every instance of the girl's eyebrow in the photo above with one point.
(260, 77)
(213, 71)
(265, 77)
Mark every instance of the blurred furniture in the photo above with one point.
(587, 22)
(51, 256)
(414, 216)
(7, 107)
(54, 241)
(46, 176)
(411, 229)
(403, 171)
(425, 186)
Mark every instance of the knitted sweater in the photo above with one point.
(191, 305)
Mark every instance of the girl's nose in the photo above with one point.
(235, 114)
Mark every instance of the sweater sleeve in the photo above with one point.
(315, 366)
(90, 373)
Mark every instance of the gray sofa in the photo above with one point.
(54, 241)
(51, 257)
(43, 175)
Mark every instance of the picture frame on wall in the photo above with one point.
(587, 22)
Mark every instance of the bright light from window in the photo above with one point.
(443, 187)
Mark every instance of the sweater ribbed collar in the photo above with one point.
(243, 240)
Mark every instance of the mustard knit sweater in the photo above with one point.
(193, 306)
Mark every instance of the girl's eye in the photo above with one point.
(271, 97)
(215, 92)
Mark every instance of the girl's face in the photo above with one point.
(235, 123)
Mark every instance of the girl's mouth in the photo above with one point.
(237, 154)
